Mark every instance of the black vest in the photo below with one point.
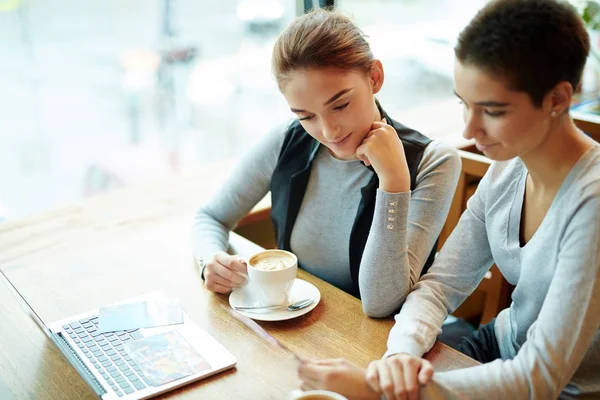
(290, 178)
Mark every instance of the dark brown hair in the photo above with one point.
(320, 39)
(533, 44)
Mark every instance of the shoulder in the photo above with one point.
(440, 151)
(294, 130)
(588, 173)
(586, 179)
(499, 184)
(271, 142)
(439, 157)
(409, 136)
(579, 210)
(295, 135)
(505, 171)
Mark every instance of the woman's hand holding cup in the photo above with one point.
(222, 272)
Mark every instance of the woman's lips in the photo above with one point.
(483, 147)
(341, 142)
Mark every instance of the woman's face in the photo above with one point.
(504, 123)
(335, 107)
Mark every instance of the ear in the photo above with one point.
(376, 76)
(558, 100)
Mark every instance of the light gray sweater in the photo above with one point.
(404, 229)
(549, 338)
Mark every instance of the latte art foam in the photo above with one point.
(272, 263)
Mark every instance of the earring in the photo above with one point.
(553, 114)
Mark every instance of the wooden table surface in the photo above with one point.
(109, 248)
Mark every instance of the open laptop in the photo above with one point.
(104, 359)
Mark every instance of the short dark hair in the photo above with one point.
(533, 44)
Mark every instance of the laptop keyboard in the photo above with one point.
(107, 354)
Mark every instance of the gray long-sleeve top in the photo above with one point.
(549, 338)
(404, 229)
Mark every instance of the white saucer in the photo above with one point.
(301, 290)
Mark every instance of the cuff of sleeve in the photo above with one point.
(407, 345)
(201, 266)
(391, 211)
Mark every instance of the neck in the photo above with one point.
(561, 149)
(377, 114)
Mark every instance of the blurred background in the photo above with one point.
(97, 95)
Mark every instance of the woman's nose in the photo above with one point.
(473, 126)
(331, 131)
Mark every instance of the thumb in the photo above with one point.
(364, 159)
(425, 374)
(384, 120)
(360, 154)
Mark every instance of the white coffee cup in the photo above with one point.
(315, 395)
(272, 286)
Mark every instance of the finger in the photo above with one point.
(378, 124)
(384, 120)
(313, 384)
(302, 369)
(360, 154)
(327, 361)
(218, 288)
(372, 376)
(239, 265)
(212, 277)
(305, 387)
(312, 375)
(228, 274)
(397, 373)
(309, 371)
(426, 373)
(411, 386)
(212, 274)
(386, 380)
(372, 131)
(232, 262)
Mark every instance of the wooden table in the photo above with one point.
(127, 243)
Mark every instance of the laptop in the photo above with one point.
(105, 362)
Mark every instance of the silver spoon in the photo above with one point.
(292, 307)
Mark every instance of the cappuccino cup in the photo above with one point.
(271, 275)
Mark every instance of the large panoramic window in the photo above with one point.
(104, 94)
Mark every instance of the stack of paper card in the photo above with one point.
(158, 311)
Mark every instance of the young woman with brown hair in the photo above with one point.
(357, 196)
